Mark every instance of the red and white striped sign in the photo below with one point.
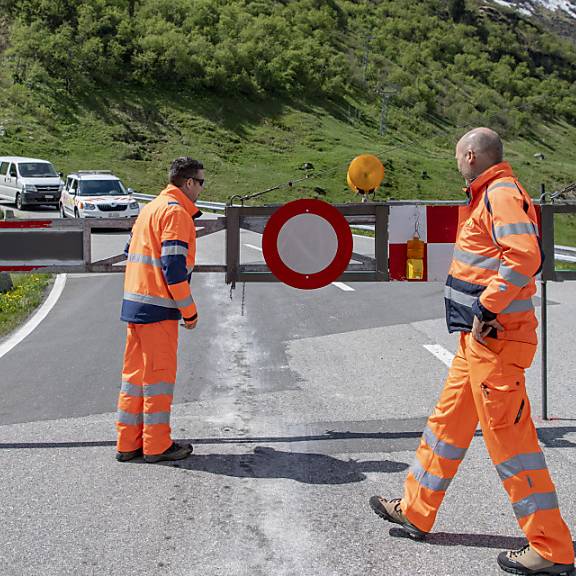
(436, 226)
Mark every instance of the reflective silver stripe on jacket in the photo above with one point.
(497, 185)
(128, 418)
(535, 502)
(519, 306)
(521, 463)
(190, 269)
(131, 389)
(158, 389)
(157, 418)
(459, 297)
(144, 259)
(517, 228)
(174, 251)
(158, 301)
(147, 299)
(468, 300)
(429, 480)
(476, 260)
(514, 277)
(441, 448)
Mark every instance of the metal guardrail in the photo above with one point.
(214, 206)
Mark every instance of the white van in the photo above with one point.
(29, 181)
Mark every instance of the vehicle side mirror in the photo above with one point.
(130, 190)
(61, 174)
(73, 192)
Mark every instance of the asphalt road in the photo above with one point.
(300, 405)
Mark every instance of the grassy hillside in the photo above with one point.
(258, 88)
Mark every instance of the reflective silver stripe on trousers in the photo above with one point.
(521, 463)
(190, 269)
(158, 389)
(442, 448)
(519, 306)
(157, 418)
(476, 260)
(514, 277)
(497, 185)
(429, 480)
(143, 259)
(459, 297)
(154, 300)
(128, 418)
(174, 251)
(517, 228)
(535, 502)
(131, 389)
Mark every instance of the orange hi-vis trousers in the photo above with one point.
(486, 384)
(148, 378)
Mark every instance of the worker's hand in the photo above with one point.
(481, 329)
(190, 325)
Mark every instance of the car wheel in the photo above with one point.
(62, 211)
(19, 204)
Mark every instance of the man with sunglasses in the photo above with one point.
(160, 258)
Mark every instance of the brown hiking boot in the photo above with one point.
(390, 510)
(528, 561)
(127, 456)
(175, 452)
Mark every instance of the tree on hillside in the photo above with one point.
(457, 10)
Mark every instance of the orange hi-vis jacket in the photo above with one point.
(161, 254)
(496, 256)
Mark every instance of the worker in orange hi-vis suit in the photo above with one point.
(488, 298)
(161, 254)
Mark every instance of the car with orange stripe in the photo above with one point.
(97, 194)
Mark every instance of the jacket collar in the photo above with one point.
(179, 196)
(477, 186)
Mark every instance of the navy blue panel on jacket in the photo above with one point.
(459, 297)
(140, 313)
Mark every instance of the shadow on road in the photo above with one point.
(471, 540)
(553, 437)
(267, 462)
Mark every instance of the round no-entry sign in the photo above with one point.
(307, 244)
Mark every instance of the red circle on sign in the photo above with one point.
(330, 272)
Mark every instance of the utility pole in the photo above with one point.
(385, 92)
(369, 39)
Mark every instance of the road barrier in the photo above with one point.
(63, 245)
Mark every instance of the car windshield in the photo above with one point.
(37, 170)
(101, 188)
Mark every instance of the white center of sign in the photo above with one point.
(307, 244)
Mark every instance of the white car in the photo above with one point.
(97, 194)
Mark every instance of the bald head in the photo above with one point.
(477, 151)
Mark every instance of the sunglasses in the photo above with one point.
(199, 180)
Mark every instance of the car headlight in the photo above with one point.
(30, 188)
(134, 206)
(88, 206)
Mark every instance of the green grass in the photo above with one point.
(17, 304)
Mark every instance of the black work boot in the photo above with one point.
(390, 510)
(127, 456)
(175, 452)
(528, 561)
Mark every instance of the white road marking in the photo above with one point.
(441, 353)
(343, 286)
(340, 285)
(35, 320)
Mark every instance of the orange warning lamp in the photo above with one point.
(365, 173)
(415, 259)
